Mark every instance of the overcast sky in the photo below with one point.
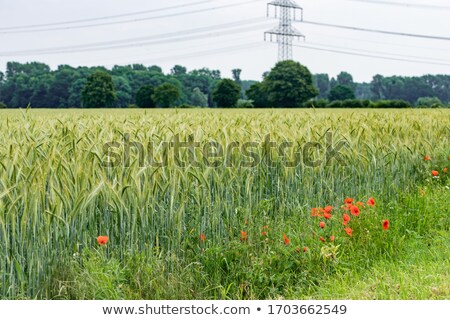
(239, 45)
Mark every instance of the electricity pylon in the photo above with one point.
(287, 12)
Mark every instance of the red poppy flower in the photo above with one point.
(434, 173)
(354, 210)
(332, 238)
(243, 235)
(322, 224)
(322, 239)
(314, 212)
(386, 224)
(346, 217)
(202, 237)
(427, 158)
(264, 234)
(265, 227)
(327, 215)
(102, 240)
(371, 202)
(328, 209)
(286, 239)
(305, 249)
(445, 170)
(348, 200)
(349, 231)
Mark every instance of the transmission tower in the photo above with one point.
(287, 12)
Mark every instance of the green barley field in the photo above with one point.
(237, 215)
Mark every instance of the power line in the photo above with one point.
(138, 39)
(139, 44)
(370, 55)
(171, 38)
(379, 52)
(131, 20)
(414, 35)
(409, 5)
(107, 17)
(401, 45)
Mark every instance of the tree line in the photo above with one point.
(288, 84)
(418, 91)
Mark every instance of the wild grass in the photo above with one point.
(56, 197)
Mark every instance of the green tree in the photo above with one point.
(429, 102)
(227, 93)
(40, 93)
(144, 97)
(377, 87)
(59, 85)
(289, 84)
(155, 69)
(178, 70)
(322, 83)
(346, 79)
(99, 91)
(166, 95)
(237, 76)
(363, 91)
(123, 91)
(213, 74)
(139, 67)
(198, 98)
(340, 93)
(258, 94)
(75, 98)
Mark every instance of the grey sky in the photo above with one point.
(243, 48)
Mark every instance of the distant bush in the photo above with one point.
(429, 102)
(133, 106)
(391, 104)
(187, 106)
(336, 104)
(367, 104)
(356, 104)
(320, 103)
(341, 93)
(352, 103)
(245, 104)
(2, 105)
